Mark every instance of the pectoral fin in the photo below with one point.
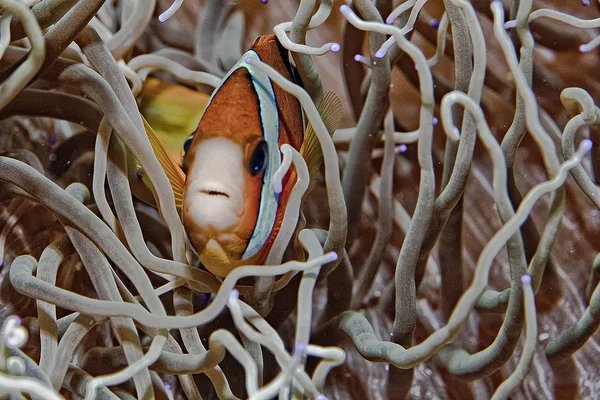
(174, 111)
(215, 259)
(330, 110)
(172, 169)
(139, 183)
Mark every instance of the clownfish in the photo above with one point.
(229, 210)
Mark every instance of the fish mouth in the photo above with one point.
(212, 192)
(214, 205)
(213, 200)
(211, 188)
(218, 193)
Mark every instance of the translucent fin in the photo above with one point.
(215, 259)
(138, 181)
(172, 169)
(330, 109)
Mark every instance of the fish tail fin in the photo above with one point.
(330, 110)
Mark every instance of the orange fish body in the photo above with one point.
(229, 208)
(246, 114)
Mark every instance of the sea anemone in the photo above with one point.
(448, 250)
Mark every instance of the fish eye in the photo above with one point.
(258, 161)
(188, 143)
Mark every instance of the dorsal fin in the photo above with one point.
(330, 110)
(291, 126)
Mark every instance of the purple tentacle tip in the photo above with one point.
(264, 1)
(139, 175)
(203, 298)
(357, 57)
(335, 47)
(526, 280)
(331, 256)
(248, 60)
(435, 121)
(586, 145)
(455, 132)
(585, 2)
(435, 23)
(321, 397)
(402, 148)
(300, 348)
(380, 53)
(344, 8)
(52, 140)
(390, 19)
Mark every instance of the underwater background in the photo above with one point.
(442, 254)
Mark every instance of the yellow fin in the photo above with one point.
(330, 110)
(173, 111)
(215, 259)
(138, 181)
(172, 169)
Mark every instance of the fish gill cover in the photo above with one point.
(449, 248)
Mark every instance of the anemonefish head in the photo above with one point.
(222, 198)
(230, 212)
